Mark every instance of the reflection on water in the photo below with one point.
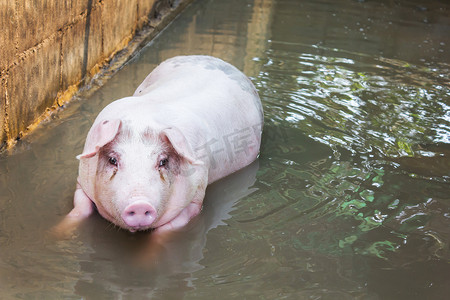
(350, 197)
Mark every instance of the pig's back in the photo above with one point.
(178, 76)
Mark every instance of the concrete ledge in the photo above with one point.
(52, 47)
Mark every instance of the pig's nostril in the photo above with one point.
(139, 214)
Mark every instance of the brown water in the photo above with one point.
(349, 199)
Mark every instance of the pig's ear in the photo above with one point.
(100, 135)
(180, 144)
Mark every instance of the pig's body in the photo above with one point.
(148, 158)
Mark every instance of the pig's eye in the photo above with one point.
(163, 162)
(113, 161)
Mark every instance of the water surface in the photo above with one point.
(348, 200)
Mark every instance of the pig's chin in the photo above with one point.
(136, 229)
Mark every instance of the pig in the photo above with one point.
(148, 158)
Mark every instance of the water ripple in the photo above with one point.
(357, 103)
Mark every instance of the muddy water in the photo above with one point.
(350, 196)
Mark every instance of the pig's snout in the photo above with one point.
(139, 215)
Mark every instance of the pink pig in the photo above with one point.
(148, 158)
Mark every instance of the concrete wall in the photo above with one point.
(48, 47)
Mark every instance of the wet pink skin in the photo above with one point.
(148, 158)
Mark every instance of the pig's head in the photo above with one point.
(139, 179)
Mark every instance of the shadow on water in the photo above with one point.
(349, 198)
